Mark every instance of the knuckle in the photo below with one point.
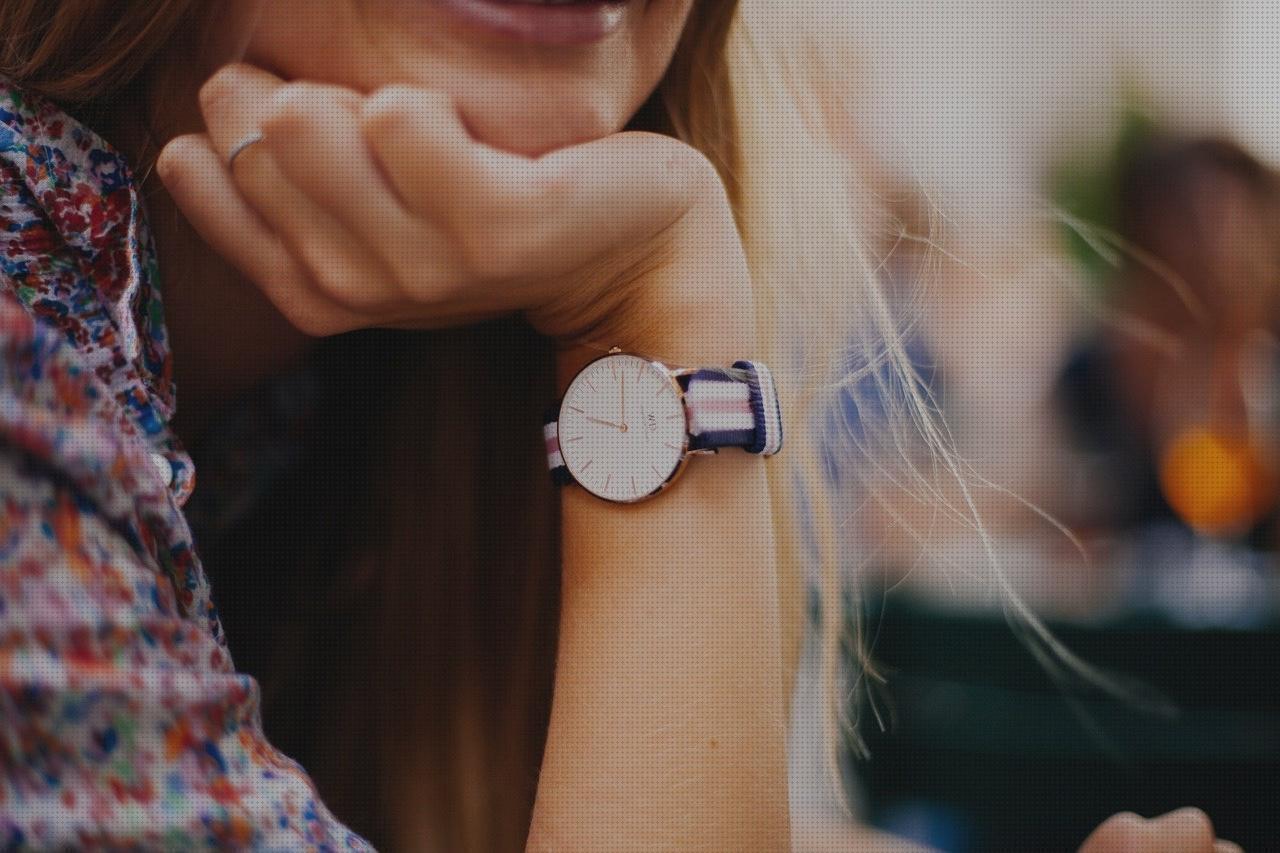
(310, 320)
(292, 106)
(429, 290)
(350, 289)
(1196, 822)
(1127, 821)
(416, 278)
(1122, 831)
(327, 270)
(390, 107)
(1196, 815)
(218, 86)
(345, 282)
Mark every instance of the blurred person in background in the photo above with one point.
(1178, 396)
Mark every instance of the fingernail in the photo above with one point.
(1227, 847)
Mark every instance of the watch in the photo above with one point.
(628, 425)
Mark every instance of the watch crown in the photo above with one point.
(614, 350)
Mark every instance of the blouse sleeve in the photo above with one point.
(122, 722)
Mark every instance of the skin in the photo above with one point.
(668, 719)
(669, 716)
(1181, 831)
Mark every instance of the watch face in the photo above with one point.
(622, 428)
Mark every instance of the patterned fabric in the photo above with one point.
(123, 724)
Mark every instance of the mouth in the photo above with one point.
(545, 22)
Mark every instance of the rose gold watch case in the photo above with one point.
(673, 375)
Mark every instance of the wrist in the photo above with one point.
(694, 309)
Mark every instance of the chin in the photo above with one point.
(517, 97)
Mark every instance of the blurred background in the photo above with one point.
(1081, 231)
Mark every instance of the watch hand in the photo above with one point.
(622, 416)
(605, 423)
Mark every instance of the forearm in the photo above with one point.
(669, 720)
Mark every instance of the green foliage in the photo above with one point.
(1087, 188)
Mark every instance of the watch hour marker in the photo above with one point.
(627, 423)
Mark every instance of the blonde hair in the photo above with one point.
(467, 704)
(829, 331)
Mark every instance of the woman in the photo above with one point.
(439, 168)
(669, 692)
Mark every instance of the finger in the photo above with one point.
(240, 100)
(1227, 847)
(201, 186)
(1120, 832)
(533, 217)
(1186, 829)
(444, 176)
(314, 135)
(422, 146)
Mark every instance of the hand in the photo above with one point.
(381, 210)
(1183, 831)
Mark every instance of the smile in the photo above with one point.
(544, 22)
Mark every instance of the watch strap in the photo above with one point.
(555, 461)
(733, 408)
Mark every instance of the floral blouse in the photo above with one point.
(123, 724)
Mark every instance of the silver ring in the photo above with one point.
(239, 147)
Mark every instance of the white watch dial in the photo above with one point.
(622, 428)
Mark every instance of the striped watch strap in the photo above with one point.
(727, 408)
(555, 461)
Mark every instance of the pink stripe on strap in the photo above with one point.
(719, 407)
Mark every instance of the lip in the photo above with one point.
(531, 23)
